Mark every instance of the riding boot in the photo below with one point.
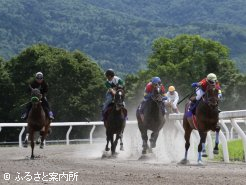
(25, 114)
(141, 110)
(193, 105)
(46, 108)
(51, 115)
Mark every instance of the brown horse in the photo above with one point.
(153, 120)
(115, 121)
(37, 120)
(205, 119)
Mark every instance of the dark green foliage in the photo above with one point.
(118, 33)
(75, 82)
(187, 59)
(6, 89)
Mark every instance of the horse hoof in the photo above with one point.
(115, 154)
(152, 144)
(150, 150)
(42, 146)
(184, 161)
(216, 152)
(204, 155)
(107, 149)
(143, 157)
(25, 145)
(144, 151)
(122, 148)
(32, 158)
(37, 142)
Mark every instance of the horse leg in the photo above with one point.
(121, 142)
(25, 143)
(108, 139)
(153, 139)
(203, 136)
(216, 148)
(31, 137)
(111, 139)
(42, 133)
(204, 153)
(187, 134)
(144, 136)
(116, 142)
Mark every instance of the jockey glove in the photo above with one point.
(196, 84)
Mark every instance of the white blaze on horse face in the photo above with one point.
(158, 89)
(120, 93)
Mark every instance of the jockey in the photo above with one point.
(39, 83)
(173, 96)
(112, 83)
(210, 79)
(156, 81)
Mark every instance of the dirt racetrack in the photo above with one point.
(82, 164)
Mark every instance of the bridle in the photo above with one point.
(119, 99)
(156, 96)
(211, 96)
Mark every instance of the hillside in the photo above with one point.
(180, 11)
(119, 33)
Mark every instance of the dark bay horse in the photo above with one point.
(37, 120)
(153, 120)
(115, 121)
(206, 118)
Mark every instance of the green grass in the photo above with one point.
(236, 152)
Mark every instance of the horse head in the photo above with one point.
(36, 96)
(211, 96)
(157, 94)
(119, 98)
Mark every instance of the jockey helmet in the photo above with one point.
(212, 78)
(156, 80)
(39, 75)
(171, 88)
(109, 72)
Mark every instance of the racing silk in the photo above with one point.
(115, 82)
(203, 84)
(43, 87)
(149, 89)
(173, 97)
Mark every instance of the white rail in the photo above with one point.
(55, 124)
(232, 117)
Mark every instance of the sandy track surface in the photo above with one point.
(86, 160)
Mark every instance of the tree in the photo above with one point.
(6, 87)
(75, 81)
(189, 58)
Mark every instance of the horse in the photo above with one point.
(37, 120)
(115, 121)
(205, 119)
(154, 119)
